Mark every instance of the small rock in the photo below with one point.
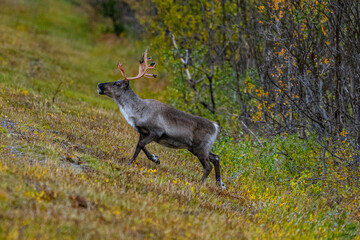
(79, 201)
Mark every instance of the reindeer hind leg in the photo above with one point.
(204, 160)
(215, 160)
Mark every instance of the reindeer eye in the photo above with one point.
(117, 83)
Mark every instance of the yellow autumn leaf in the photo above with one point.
(261, 8)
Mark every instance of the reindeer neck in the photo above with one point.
(130, 106)
(129, 99)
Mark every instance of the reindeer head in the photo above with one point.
(113, 89)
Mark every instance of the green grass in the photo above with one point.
(62, 163)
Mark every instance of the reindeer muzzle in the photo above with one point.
(100, 88)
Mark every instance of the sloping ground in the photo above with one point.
(63, 151)
(63, 147)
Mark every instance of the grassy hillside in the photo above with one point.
(62, 172)
(63, 150)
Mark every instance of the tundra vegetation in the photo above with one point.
(281, 78)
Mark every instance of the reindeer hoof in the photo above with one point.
(221, 184)
(155, 159)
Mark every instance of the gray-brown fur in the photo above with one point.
(156, 121)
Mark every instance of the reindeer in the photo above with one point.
(157, 122)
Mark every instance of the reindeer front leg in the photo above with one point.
(143, 141)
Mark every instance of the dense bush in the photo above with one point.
(281, 67)
(121, 14)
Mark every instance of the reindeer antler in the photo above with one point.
(142, 71)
